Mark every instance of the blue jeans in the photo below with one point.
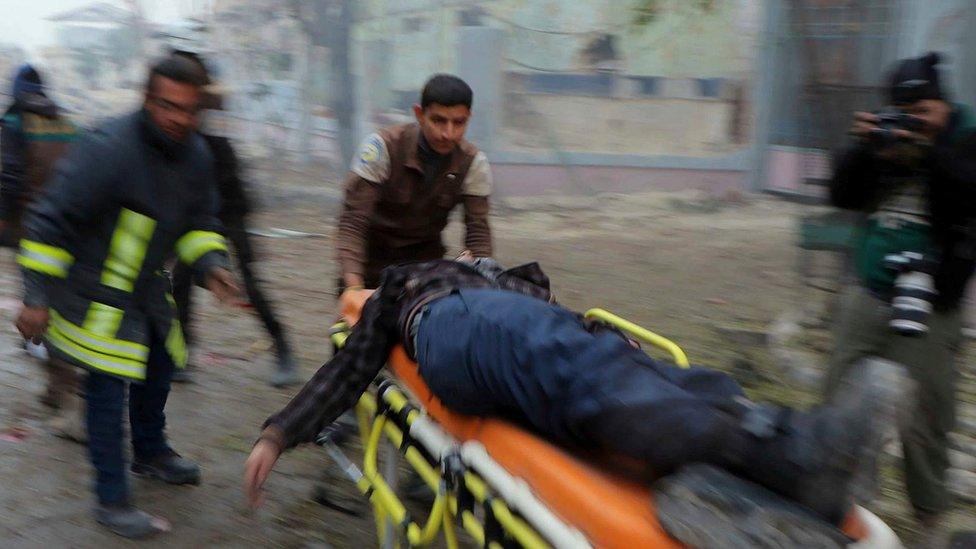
(105, 395)
(496, 353)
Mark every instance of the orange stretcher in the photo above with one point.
(604, 510)
(609, 511)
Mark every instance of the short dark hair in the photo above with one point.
(178, 68)
(447, 90)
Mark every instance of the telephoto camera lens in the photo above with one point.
(914, 293)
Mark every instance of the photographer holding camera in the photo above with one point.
(912, 172)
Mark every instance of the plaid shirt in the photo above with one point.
(385, 320)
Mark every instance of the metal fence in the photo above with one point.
(829, 60)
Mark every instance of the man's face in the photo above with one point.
(173, 106)
(443, 127)
(933, 112)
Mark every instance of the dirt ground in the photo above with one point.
(708, 272)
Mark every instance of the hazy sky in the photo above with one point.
(23, 24)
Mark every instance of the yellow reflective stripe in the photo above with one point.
(175, 345)
(127, 250)
(106, 363)
(55, 253)
(104, 345)
(103, 320)
(44, 258)
(194, 244)
(41, 265)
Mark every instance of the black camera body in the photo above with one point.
(914, 292)
(891, 119)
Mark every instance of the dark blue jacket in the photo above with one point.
(121, 201)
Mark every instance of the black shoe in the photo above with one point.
(286, 371)
(818, 458)
(129, 522)
(168, 467)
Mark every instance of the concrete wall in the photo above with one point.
(539, 179)
(481, 53)
(665, 120)
(681, 41)
(622, 126)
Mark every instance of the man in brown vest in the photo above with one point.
(404, 184)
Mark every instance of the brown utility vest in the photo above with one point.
(410, 214)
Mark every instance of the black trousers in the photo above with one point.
(244, 252)
(105, 397)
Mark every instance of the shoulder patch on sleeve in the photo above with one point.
(478, 180)
(373, 160)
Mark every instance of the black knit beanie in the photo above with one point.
(916, 79)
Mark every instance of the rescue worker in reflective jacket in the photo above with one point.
(121, 200)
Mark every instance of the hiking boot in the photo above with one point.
(286, 371)
(168, 467)
(818, 458)
(127, 521)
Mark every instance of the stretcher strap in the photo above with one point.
(465, 498)
(494, 533)
(493, 530)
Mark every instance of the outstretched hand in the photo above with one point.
(256, 470)
(221, 282)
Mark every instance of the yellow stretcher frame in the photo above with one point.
(390, 413)
(643, 334)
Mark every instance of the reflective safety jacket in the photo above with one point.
(120, 201)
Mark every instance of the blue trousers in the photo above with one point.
(105, 395)
(495, 353)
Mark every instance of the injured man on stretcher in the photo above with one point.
(492, 342)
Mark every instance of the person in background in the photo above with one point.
(34, 134)
(912, 172)
(235, 206)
